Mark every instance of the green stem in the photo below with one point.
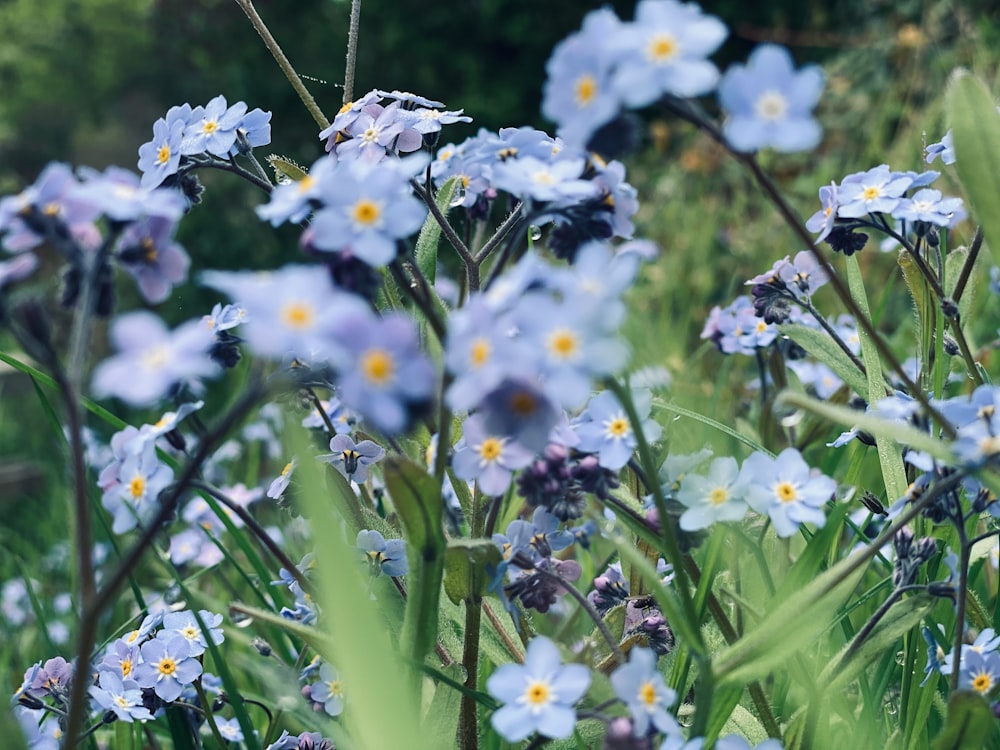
(352, 51)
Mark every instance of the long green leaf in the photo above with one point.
(969, 723)
(426, 250)
(976, 135)
(819, 344)
(889, 456)
(417, 498)
(362, 646)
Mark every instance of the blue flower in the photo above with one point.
(538, 695)
(292, 310)
(578, 94)
(928, 206)
(664, 52)
(212, 128)
(230, 729)
(944, 148)
(385, 375)
(167, 667)
(185, 625)
(386, 556)
(280, 483)
(979, 671)
(718, 497)
(823, 220)
(371, 208)
(521, 410)
(253, 130)
(123, 697)
(785, 489)
(329, 691)
(876, 191)
(604, 428)
(488, 459)
(132, 498)
(768, 103)
(118, 194)
(160, 157)
(642, 688)
(352, 460)
(147, 251)
(151, 359)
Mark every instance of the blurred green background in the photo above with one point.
(82, 81)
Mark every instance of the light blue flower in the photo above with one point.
(487, 458)
(352, 460)
(604, 428)
(371, 208)
(928, 206)
(944, 148)
(160, 157)
(384, 556)
(718, 497)
(665, 50)
(768, 103)
(167, 667)
(384, 375)
(785, 489)
(123, 697)
(644, 691)
(329, 691)
(185, 625)
(230, 729)
(823, 220)
(578, 94)
(212, 128)
(878, 190)
(538, 695)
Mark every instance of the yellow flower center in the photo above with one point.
(662, 48)
(287, 470)
(871, 193)
(618, 427)
(480, 352)
(149, 253)
(163, 155)
(209, 127)
(190, 632)
(167, 666)
(718, 496)
(585, 90)
(491, 449)
(982, 683)
(345, 108)
(377, 366)
(563, 343)
(336, 687)
(126, 667)
(538, 693)
(786, 492)
(305, 183)
(120, 701)
(137, 486)
(647, 693)
(297, 315)
(367, 212)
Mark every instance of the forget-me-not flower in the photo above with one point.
(769, 103)
(538, 695)
(785, 489)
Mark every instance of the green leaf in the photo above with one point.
(361, 642)
(889, 456)
(892, 432)
(465, 568)
(899, 620)
(441, 722)
(783, 631)
(819, 344)
(969, 723)
(426, 250)
(976, 135)
(285, 168)
(417, 497)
